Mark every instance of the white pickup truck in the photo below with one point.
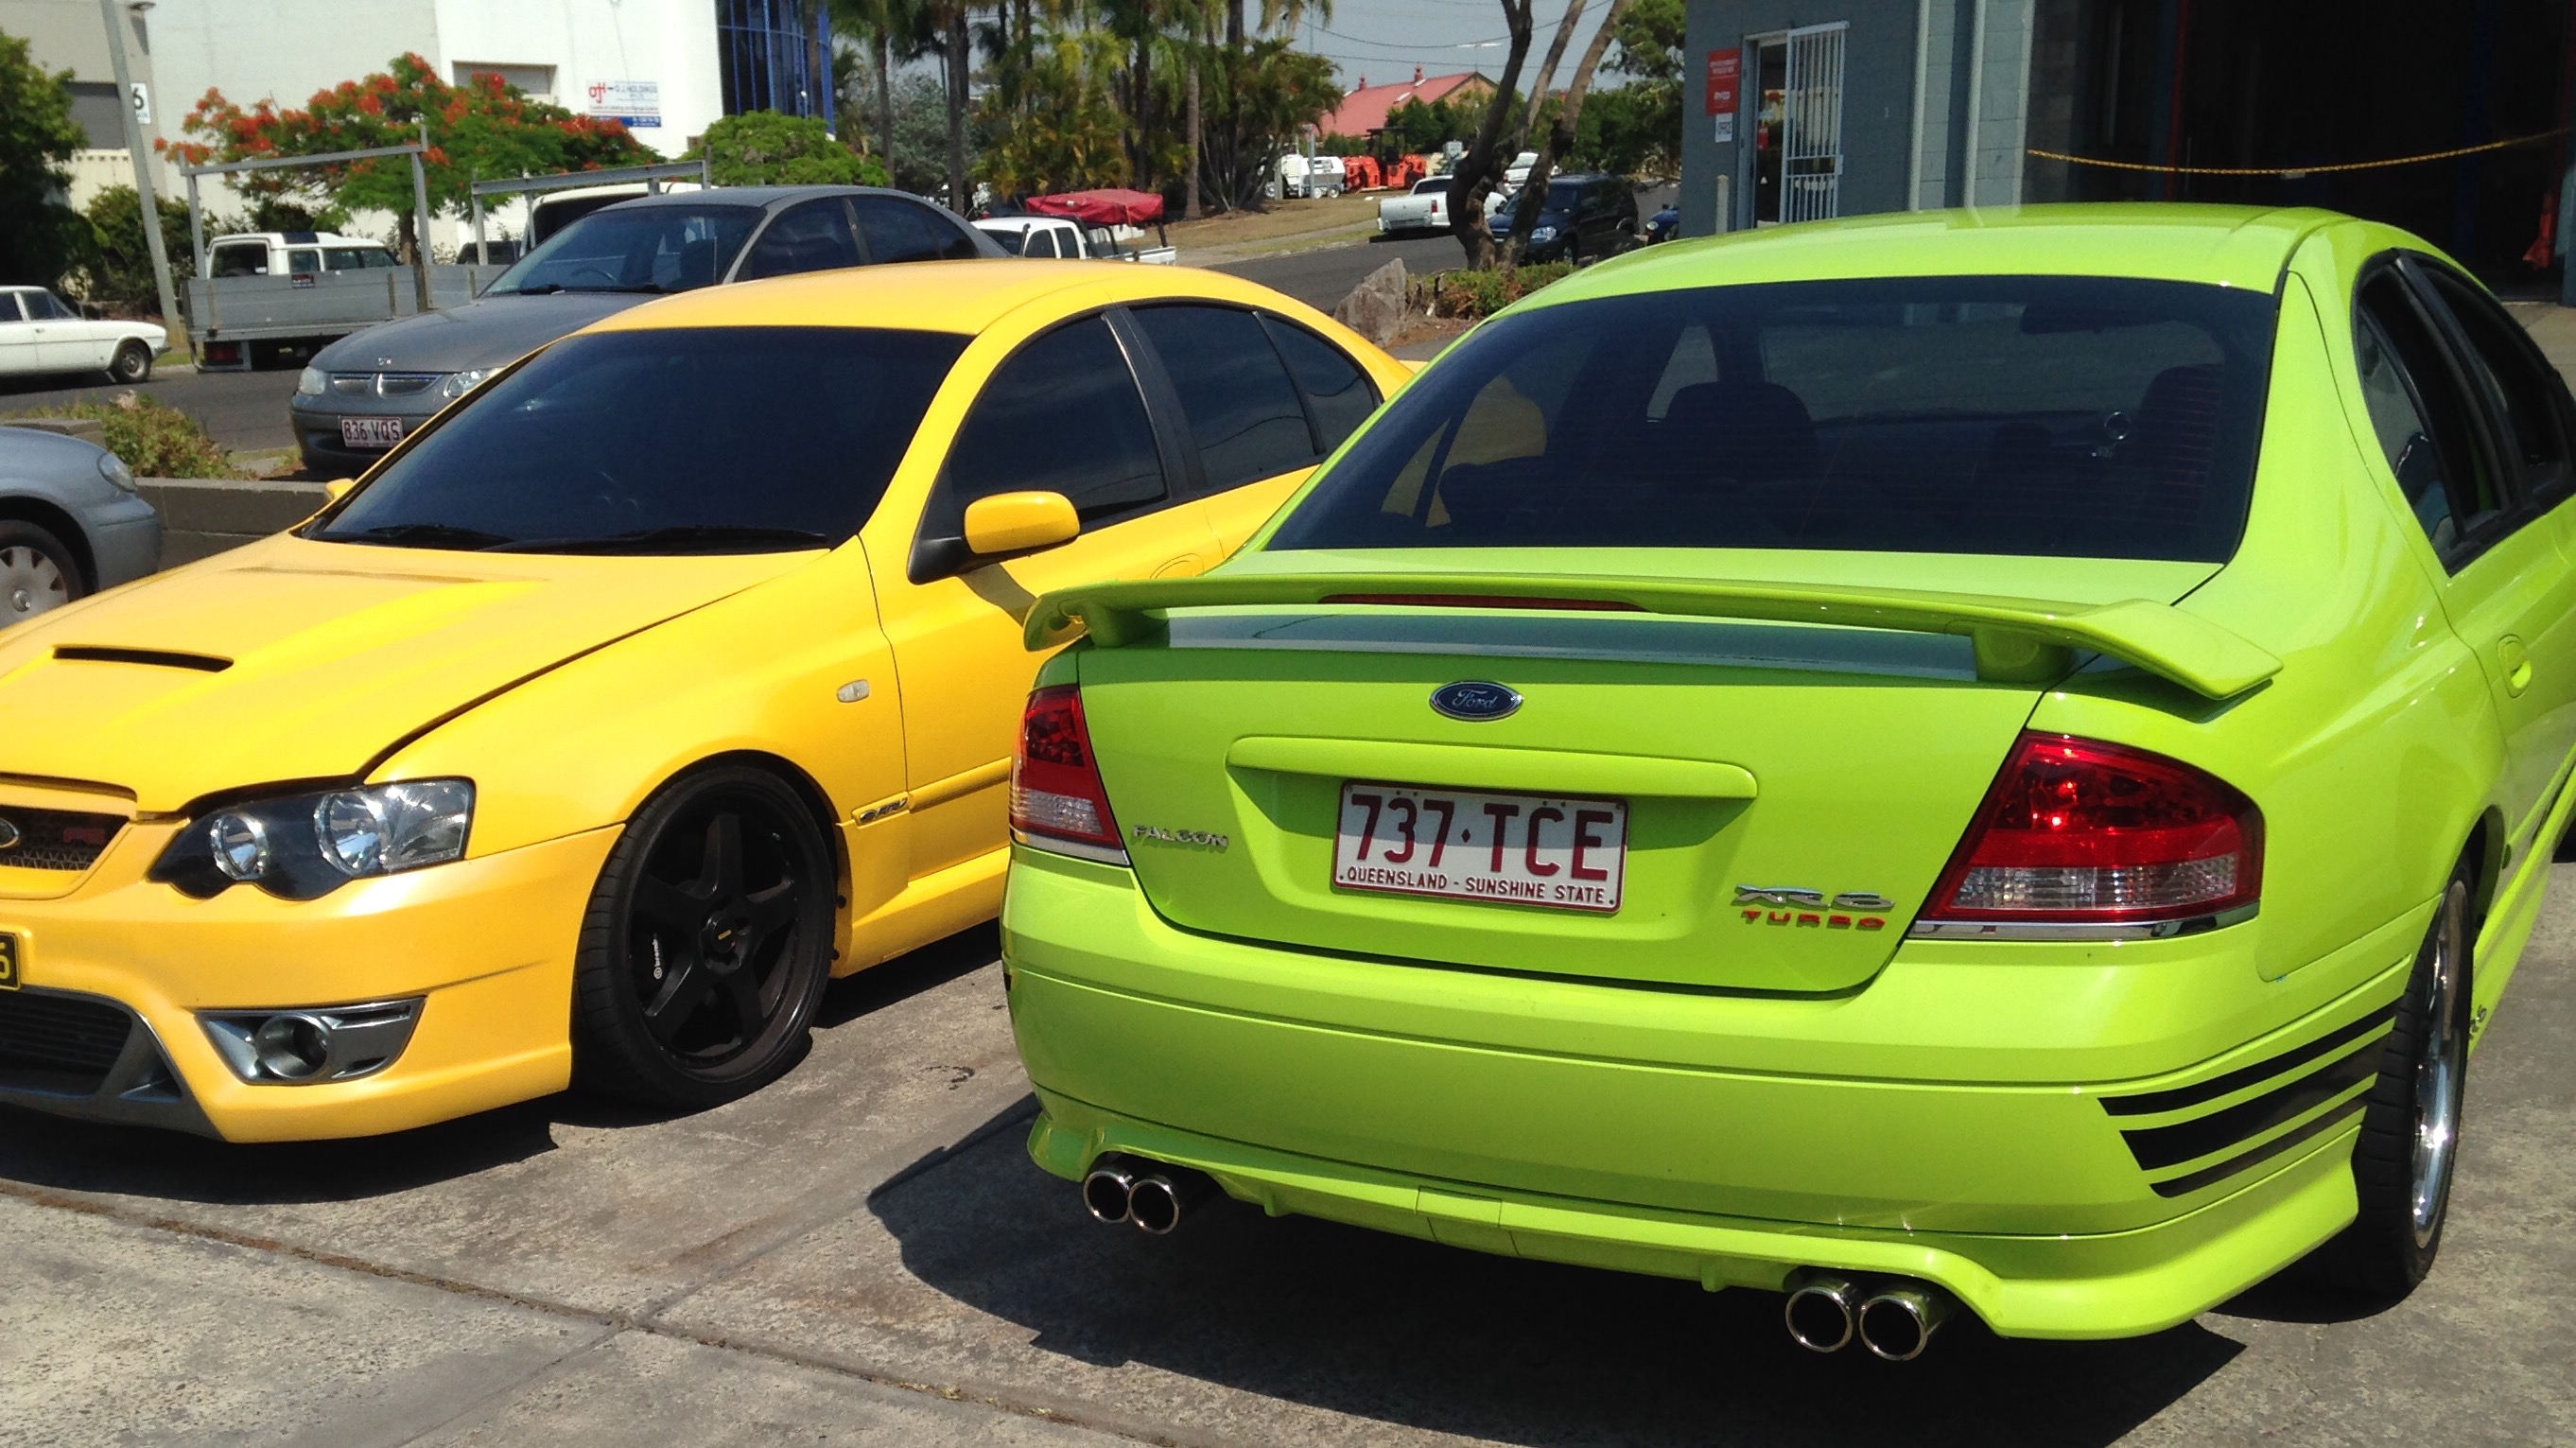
(1054, 236)
(1423, 209)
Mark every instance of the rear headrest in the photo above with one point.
(1754, 432)
(2178, 419)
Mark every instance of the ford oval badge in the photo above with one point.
(1475, 700)
(9, 835)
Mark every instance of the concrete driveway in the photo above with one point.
(863, 1254)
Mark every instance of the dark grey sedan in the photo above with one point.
(364, 392)
(71, 522)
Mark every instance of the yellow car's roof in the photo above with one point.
(932, 296)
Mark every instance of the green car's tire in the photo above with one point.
(2403, 1165)
(707, 944)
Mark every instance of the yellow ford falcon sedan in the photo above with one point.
(672, 672)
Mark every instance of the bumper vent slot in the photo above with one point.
(53, 839)
(58, 1043)
(2345, 1066)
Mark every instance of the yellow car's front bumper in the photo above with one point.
(484, 946)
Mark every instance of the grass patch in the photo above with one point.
(154, 438)
(1475, 295)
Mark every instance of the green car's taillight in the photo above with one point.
(1057, 799)
(2079, 832)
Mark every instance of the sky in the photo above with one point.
(1384, 40)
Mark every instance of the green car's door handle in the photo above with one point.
(2516, 658)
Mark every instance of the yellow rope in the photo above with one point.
(2292, 172)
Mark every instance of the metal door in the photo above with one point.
(1811, 124)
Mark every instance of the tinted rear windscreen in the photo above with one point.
(2071, 416)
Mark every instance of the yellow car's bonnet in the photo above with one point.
(297, 660)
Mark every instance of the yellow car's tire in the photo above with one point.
(707, 943)
(2408, 1153)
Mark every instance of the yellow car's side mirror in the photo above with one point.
(338, 488)
(1020, 523)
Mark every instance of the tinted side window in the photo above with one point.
(906, 231)
(2533, 394)
(42, 307)
(895, 231)
(2424, 421)
(9, 307)
(1062, 416)
(241, 261)
(1243, 413)
(815, 236)
(1339, 396)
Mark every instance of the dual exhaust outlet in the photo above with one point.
(1894, 1318)
(1150, 1194)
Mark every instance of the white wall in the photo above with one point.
(671, 43)
(286, 50)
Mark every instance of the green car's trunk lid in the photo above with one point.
(1757, 756)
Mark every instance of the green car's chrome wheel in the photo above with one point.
(2410, 1135)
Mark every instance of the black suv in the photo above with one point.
(1585, 218)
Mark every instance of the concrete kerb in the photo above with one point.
(201, 517)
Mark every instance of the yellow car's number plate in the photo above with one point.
(1517, 849)
(13, 953)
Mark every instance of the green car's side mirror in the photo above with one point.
(1007, 523)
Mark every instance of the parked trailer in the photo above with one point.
(234, 319)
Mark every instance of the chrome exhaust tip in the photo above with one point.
(1108, 1192)
(1159, 1200)
(1897, 1322)
(1823, 1310)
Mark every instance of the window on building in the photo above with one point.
(537, 80)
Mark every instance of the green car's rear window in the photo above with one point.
(2076, 416)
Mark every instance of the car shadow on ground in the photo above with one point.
(1447, 1340)
(52, 1153)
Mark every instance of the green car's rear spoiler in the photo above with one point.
(2017, 640)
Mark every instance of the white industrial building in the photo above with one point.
(665, 67)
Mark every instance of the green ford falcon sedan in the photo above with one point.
(1987, 762)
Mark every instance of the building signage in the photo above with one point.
(636, 102)
(1725, 70)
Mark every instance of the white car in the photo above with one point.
(38, 333)
(294, 253)
(1055, 236)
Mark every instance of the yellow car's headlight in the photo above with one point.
(304, 846)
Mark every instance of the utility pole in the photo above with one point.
(111, 12)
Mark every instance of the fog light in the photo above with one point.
(314, 1044)
(292, 1048)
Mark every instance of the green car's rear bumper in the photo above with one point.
(2076, 1140)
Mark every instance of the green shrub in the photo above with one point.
(765, 148)
(155, 439)
(1475, 295)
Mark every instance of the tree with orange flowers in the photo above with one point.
(482, 130)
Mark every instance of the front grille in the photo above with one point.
(59, 1043)
(384, 384)
(2350, 1056)
(54, 839)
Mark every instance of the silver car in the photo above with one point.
(71, 522)
(367, 391)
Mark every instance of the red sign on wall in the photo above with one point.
(1723, 68)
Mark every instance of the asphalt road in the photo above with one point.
(244, 411)
(1322, 278)
(863, 1254)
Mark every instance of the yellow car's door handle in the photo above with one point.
(2516, 659)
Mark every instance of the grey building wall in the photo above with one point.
(1936, 101)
